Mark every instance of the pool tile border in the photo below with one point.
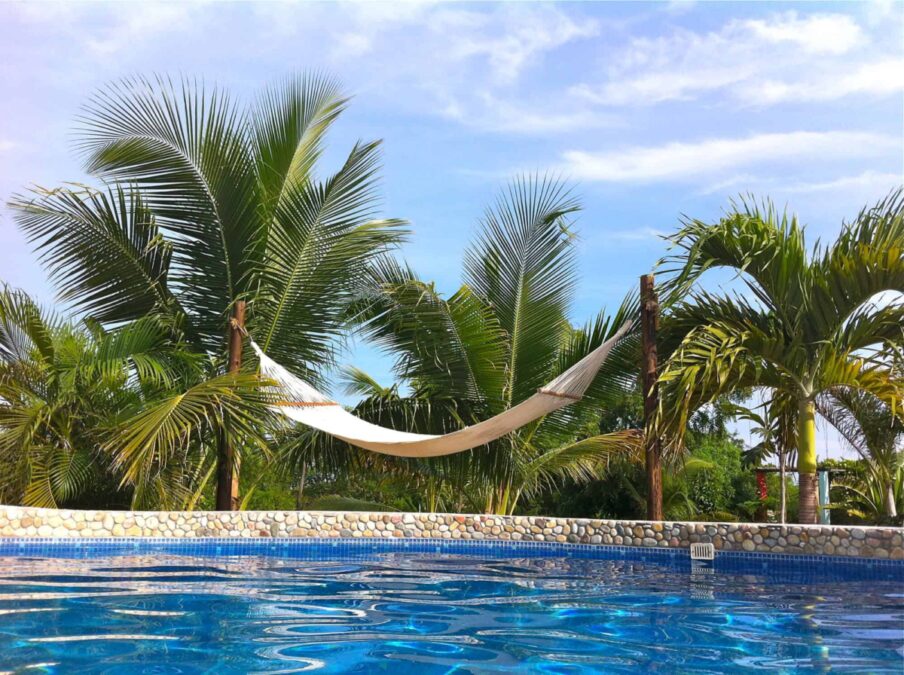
(873, 543)
(774, 566)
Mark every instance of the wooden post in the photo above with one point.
(227, 468)
(649, 320)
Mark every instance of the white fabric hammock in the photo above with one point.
(305, 404)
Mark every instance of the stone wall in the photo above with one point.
(865, 542)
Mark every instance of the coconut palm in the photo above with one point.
(868, 426)
(502, 335)
(207, 203)
(808, 323)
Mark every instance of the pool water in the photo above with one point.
(434, 613)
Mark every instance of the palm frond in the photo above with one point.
(184, 147)
(358, 383)
(865, 260)
(762, 244)
(871, 326)
(144, 445)
(288, 124)
(320, 244)
(582, 460)
(57, 475)
(103, 249)
(453, 347)
(523, 265)
(25, 331)
(144, 345)
(714, 360)
(866, 424)
(620, 370)
(839, 369)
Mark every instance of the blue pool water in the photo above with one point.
(204, 609)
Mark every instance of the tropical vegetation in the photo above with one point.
(201, 206)
(869, 427)
(809, 323)
(493, 343)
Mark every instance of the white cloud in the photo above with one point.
(139, 22)
(499, 114)
(505, 40)
(785, 57)
(710, 157)
(866, 183)
(6, 145)
(879, 11)
(524, 37)
(364, 25)
(464, 62)
(467, 63)
(877, 78)
(816, 33)
(641, 234)
(680, 6)
(106, 29)
(874, 180)
(657, 87)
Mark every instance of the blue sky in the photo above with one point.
(650, 110)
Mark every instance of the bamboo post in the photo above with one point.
(227, 467)
(649, 320)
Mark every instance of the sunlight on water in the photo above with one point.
(420, 613)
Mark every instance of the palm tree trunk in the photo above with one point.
(783, 489)
(299, 496)
(891, 509)
(432, 494)
(806, 461)
(513, 502)
(501, 500)
(649, 318)
(227, 464)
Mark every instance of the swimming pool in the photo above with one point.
(118, 606)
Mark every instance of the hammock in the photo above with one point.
(305, 404)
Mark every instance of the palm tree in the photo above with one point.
(677, 502)
(868, 426)
(775, 433)
(868, 497)
(206, 203)
(53, 405)
(67, 390)
(502, 335)
(808, 324)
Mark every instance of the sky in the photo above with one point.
(650, 111)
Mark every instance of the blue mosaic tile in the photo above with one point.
(773, 565)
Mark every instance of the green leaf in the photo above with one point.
(103, 249)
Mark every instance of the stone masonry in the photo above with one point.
(865, 542)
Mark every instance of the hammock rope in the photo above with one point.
(301, 402)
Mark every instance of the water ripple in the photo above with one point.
(431, 614)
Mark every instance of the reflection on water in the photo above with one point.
(418, 613)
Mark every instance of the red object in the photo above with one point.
(761, 485)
